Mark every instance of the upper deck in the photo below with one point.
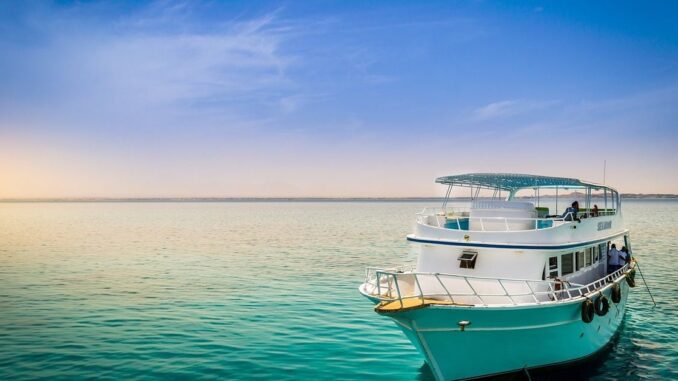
(501, 217)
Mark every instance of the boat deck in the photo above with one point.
(410, 304)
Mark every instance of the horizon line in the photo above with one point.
(302, 198)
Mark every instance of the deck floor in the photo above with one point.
(409, 304)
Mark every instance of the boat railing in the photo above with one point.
(603, 213)
(409, 288)
(457, 219)
(460, 217)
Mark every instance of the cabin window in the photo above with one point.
(589, 256)
(553, 267)
(595, 254)
(566, 264)
(467, 259)
(580, 260)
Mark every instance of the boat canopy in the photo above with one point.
(513, 182)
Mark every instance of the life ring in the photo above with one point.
(616, 293)
(587, 311)
(601, 305)
(631, 278)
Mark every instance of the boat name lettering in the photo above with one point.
(604, 225)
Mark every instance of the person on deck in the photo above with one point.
(571, 212)
(627, 256)
(615, 259)
(594, 211)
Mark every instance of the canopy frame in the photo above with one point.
(513, 182)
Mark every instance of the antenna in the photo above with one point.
(604, 170)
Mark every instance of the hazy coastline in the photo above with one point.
(630, 196)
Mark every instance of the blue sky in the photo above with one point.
(332, 98)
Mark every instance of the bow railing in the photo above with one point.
(401, 285)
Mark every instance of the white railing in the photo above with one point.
(508, 223)
(400, 285)
(601, 213)
(450, 211)
(442, 215)
(459, 215)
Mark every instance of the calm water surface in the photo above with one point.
(252, 291)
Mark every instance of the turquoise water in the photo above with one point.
(253, 291)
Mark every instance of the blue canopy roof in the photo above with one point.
(515, 181)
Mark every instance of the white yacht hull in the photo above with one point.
(507, 339)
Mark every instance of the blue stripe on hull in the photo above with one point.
(509, 246)
(501, 340)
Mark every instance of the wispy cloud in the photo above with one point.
(509, 108)
(666, 94)
(156, 58)
(650, 111)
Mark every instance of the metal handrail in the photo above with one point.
(465, 209)
(437, 212)
(482, 220)
(505, 220)
(569, 291)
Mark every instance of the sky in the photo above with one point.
(332, 98)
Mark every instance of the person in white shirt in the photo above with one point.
(615, 259)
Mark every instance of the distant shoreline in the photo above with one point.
(630, 196)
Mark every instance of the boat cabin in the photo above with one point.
(520, 226)
(513, 202)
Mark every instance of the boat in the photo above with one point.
(504, 283)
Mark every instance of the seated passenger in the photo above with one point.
(571, 212)
(594, 211)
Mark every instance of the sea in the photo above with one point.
(257, 291)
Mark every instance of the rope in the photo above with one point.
(646, 286)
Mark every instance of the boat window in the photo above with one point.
(566, 264)
(589, 256)
(595, 254)
(553, 267)
(467, 259)
(580, 260)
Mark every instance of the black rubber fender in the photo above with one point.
(631, 278)
(616, 293)
(587, 311)
(601, 305)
